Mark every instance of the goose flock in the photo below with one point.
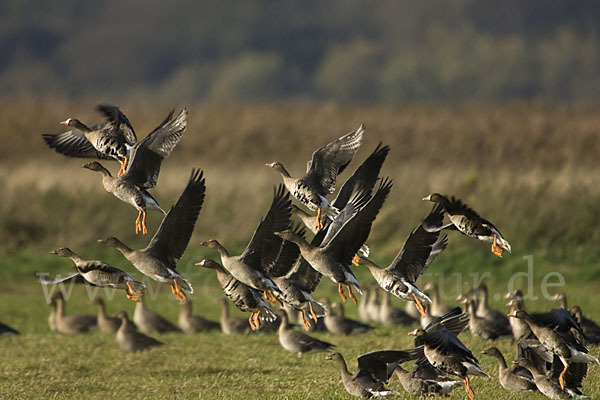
(281, 266)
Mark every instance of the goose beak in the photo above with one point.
(270, 165)
(428, 198)
(413, 333)
(509, 304)
(65, 122)
(200, 264)
(512, 314)
(54, 252)
(507, 295)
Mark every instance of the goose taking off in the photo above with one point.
(158, 260)
(467, 221)
(244, 297)
(144, 167)
(253, 265)
(420, 249)
(374, 371)
(443, 349)
(97, 273)
(112, 139)
(321, 173)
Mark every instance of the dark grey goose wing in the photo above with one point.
(118, 123)
(352, 235)
(288, 254)
(73, 143)
(330, 160)
(379, 365)
(73, 277)
(148, 154)
(412, 259)
(173, 235)
(264, 246)
(364, 178)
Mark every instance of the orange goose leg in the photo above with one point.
(468, 389)
(352, 296)
(341, 292)
(133, 291)
(251, 321)
(177, 292)
(144, 230)
(256, 319)
(419, 306)
(138, 227)
(304, 321)
(319, 224)
(312, 311)
(561, 377)
(269, 297)
(356, 260)
(134, 298)
(497, 250)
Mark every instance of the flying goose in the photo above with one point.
(331, 256)
(374, 371)
(144, 167)
(112, 139)
(253, 265)
(420, 249)
(158, 260)
(364, 178)
(467, 221)
(321, 173)
(96, 273)
(244, 297)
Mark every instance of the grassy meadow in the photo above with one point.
(530, 168)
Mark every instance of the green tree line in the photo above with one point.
(339, 50)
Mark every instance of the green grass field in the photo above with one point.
(530, 169)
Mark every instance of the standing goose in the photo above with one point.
(331, 256)
(144, 167)
(97, 273)
(484, 328)
(69, 324)
(485, 311)
(106, 323)
(253, 265)
(546, 385)
(158, 260)
(321, 173)
(568, 346)
(130, 339)
(445, 351)
(390, 315)
(420, 249)
(374, 371)
(339, 324)
(467, 221)
(373, 306)
(112, 139)
(194, 323)
(298, 342)
(149, 321)
(243, 296)
(233, 325)
(437, 308)
(514, 379)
